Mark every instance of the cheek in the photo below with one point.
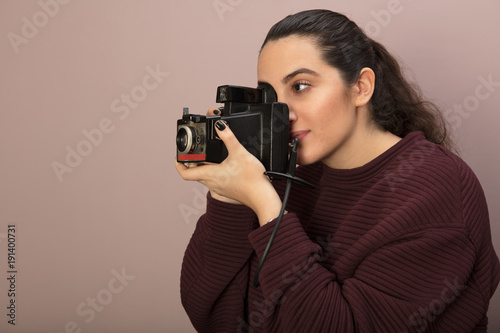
(323, 110)
(330, 111)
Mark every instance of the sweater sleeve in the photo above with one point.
(214, 275)
(402, 286)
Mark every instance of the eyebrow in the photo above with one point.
(290, 76)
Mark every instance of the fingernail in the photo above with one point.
(216, 112)
(220, 124)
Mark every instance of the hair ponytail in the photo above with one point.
(396, 105)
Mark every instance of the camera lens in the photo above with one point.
(184, 139)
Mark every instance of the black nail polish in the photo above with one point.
(220, 125)
(216, 112)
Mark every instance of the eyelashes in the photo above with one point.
(299, 87)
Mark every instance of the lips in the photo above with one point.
(298, 134)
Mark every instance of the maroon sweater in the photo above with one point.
(401, 244)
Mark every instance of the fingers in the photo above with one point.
(181, 168)
(213, 112)
(227, 136)
(187, 173)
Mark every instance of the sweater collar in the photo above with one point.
(373, 167)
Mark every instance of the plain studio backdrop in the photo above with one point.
(90, 93)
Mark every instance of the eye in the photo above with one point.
(300, 86)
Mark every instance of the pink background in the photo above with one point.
(67, 68)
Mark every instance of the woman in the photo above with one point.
(395, 236)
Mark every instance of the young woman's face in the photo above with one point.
(322, 114)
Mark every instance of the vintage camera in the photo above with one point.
(257, 120)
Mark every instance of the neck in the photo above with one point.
(364, 145)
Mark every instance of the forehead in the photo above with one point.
(285, 55)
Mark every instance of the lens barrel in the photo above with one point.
(184, 139)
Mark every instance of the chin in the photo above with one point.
(305, 160)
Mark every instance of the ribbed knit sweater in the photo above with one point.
(401, 244)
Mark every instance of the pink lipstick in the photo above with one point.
(298, 134)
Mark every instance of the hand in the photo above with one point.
(238, 179)
(211, 112)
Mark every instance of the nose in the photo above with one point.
(292, 116)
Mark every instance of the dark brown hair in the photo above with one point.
(396, 105)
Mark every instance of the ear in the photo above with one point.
(364, 86)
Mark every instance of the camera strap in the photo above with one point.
(290, 178)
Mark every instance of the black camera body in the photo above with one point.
(259, 123)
